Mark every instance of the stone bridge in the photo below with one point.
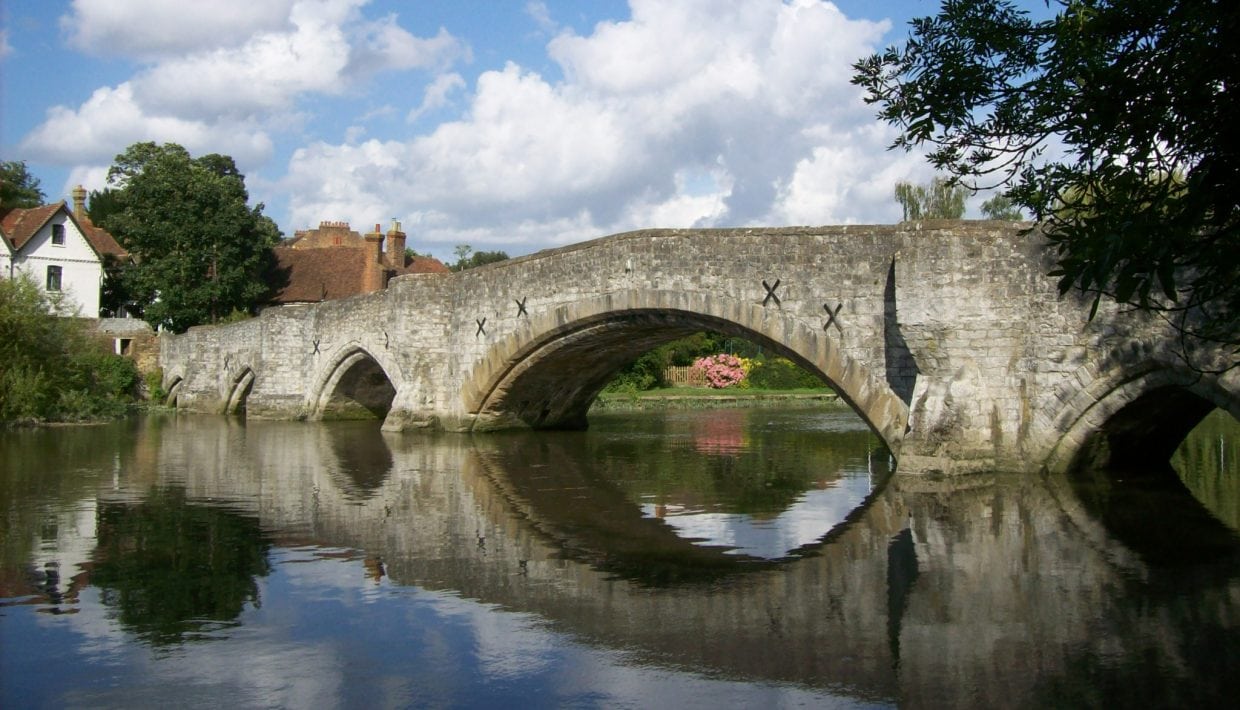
(947, 338)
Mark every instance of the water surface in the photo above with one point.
(679, 559)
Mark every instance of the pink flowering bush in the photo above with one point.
(721, 370)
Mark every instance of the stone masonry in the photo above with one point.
(946, 337)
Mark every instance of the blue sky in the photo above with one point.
(515, 125)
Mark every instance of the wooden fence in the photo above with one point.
(685, 376)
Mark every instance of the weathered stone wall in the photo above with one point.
(946, 337)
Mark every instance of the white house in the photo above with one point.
(61, 250)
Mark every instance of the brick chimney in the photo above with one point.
(79, 203)
(372, 279)
(395, 255)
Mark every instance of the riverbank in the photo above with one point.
(698, 398)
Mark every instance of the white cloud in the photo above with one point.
(225, 76)
(537, 11)
(437, 95)
(5, 47)
(154, 28)
(112, 119)
(753, 94)
(693, 113)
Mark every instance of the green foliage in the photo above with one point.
(52, 368)
(1134, 94)
(467, 258)
(18, 188)
(102, 204)
(777, 373)
(644, 373)
(939, 200)
(154, 381)
(199, 250)
(1001, 207)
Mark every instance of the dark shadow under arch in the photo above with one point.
(358, 388)
(1144, 433)
(1137, 417)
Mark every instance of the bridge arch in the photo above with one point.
(356, 384)
(173, 391)
(1133, 412)
(548, 372)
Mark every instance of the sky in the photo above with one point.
(505, 125)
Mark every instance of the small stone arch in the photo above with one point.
(173, 391)
(548, 372)
(356, 386)
(239, 392)
(1132, 413)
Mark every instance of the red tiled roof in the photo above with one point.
(422, 265)
(310, 275)
(100, 239)
(20, 224)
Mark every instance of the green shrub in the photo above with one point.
(155, 386)
(777, 373)
(51, 368)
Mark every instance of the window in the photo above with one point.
(58, 234)
(53, 278)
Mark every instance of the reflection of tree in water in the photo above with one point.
(171, 567)
(1208, 461)
(363, 459)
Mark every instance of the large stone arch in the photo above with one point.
(548, 372)
(1132, 411)
(352, 384)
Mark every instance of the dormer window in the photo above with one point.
(58, 235)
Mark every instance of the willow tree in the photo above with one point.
(1131, 105)
(199, 250)
(940, 199)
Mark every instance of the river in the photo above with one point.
(729, 558)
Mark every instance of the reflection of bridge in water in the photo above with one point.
(936, 593)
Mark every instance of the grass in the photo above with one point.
(697, 397)
(707, 392)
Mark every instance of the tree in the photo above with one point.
(199, 251)
(18, 188)
(102, 204)
(938, 200)
(1139, 97)
(467, 258)
(1001, 207)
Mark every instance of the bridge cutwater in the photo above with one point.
(947, 338)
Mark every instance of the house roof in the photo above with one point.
(319, 274)
(20, 224)
(100, 239)
(310, 275)
(422, 265)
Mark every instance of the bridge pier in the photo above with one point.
(947, 338)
